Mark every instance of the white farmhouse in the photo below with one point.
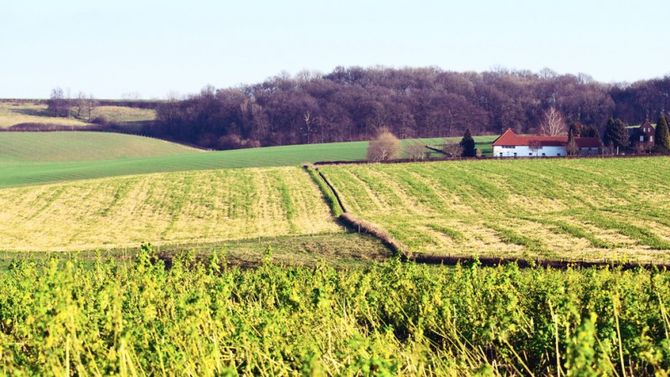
(510, 144)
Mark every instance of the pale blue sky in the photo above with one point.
(153, 47)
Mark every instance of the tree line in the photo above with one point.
(355, 103)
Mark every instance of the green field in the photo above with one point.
(26, 171)
(167, 208)
(593, 209)
(63, 317)
(251, 274)
(66, 146)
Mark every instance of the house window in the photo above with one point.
(641, 138)
(651, 139)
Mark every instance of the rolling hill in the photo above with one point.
(167, 208)
(67, 146)
(16, 171)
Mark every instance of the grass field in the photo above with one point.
(563, 209)
(183, 207)
(123, 114)
(81, 146)
(25, 172)
(15, 113)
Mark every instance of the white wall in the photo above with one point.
(524, 151)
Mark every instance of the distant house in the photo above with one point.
(510, 144)
(642, 137)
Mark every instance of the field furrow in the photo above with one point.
(185, 207)
(560, 209)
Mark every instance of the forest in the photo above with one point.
(353, 103)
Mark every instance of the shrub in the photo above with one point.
(452, 150)
(416, 151)
(383, 147)
(101, 120)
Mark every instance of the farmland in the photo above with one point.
(123, 114)
(31, 147)
(17, 112)
(591, 209)
(24, 170)
(169, 208)
(12, 113)
(62, 317)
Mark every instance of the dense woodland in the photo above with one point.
(353, 103)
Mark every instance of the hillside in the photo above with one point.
(558, 209)
(12, 113)
(65, 146)
(15, 172)
(183, 207)
(353, 103)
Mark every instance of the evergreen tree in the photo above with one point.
(615, 136)
(662, 135)
(572, 147)
(468, 145)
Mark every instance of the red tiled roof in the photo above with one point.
(509, 138)
(586, 142)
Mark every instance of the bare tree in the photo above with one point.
(91, 105)
(57, 104)
(383, 147)
(309, 123)
(553, 123)
(84, 106)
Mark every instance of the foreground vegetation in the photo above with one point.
(63, 317)
(558, 209)
(182, 207)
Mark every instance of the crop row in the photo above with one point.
(206, 206)
(572, 209)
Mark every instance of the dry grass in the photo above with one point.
(123, 114)
(187, 207)
(15, 113)
(565, 209)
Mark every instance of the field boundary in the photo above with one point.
(352, 222)
(487, 158)
(529, 263)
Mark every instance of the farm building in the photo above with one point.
(510, 144)
(642, 137)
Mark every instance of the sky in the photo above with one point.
(154, 49)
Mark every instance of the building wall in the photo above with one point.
(525, 151)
